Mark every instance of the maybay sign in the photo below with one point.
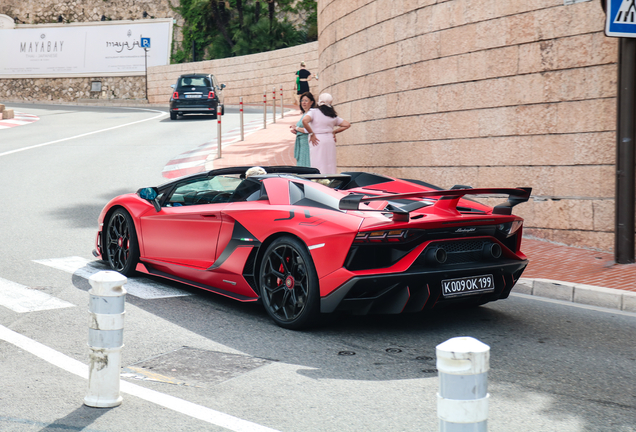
(86, 49)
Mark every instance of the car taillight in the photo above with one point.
(175, 95)
(511, 227)
(211, 95)
(382, 236)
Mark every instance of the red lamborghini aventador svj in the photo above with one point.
(305, 243)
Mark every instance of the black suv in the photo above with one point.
(196, 94)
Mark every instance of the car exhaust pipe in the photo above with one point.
(491, 251)
(436, 256)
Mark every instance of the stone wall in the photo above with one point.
(247, 76)
(483, 93)
(72, 89)
(49, 11)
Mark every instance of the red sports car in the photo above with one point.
(305, 243)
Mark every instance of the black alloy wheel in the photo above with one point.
(122, 248)
(289, 284)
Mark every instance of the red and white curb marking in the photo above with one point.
(19, 120)
(193, 161)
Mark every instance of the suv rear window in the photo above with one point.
(194, 81)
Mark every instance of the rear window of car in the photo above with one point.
(194, 82)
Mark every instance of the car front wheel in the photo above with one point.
(122, 248)
(289, 284)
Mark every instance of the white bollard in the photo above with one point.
(105, 338)
(241, 119)
(274, 103)
(282, 104)
(265, 109)
(218, 132)
(462, 401)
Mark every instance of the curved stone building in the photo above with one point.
(482, 93)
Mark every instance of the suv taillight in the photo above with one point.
(175, 95)
(211, 95)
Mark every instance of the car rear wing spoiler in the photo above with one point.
(447, 200)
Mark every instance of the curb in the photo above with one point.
(138, 103)
(98, 102)
(578, 293)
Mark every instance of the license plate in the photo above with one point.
(193, 96)
(468, 285)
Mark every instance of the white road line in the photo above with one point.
(22, 299)
(173, 403)
(138, 287)
(162, 114)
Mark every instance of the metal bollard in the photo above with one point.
(241, 118)
(218, 131)
(274, 103)
(265, 109)
(462, 401)
(282, 104)
(105, 338)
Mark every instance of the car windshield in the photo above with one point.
(194, 82)
(217, 189)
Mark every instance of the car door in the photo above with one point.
(185, 231)
(185, 236)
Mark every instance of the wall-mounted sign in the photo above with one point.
(105, 49)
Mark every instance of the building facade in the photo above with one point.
(483, 93)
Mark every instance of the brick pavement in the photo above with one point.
(570, 264)
(275, 146)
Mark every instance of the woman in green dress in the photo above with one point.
(301, 148)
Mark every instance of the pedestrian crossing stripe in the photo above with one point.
(139, 286)
(626, 13)
(21, 299)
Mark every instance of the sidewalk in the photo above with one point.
(271, 146)
(555, 271)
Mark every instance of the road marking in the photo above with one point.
(21, 299)
(162, 114)
(182, 406)
(138, 287)
(19, 120)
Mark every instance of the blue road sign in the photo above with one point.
(145, 42)
(621, 18)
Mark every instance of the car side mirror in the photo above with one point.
(173, 86)
(150, 194)
(222, 86)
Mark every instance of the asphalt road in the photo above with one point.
(554, 366)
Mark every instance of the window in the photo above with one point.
(203, 191)
(194, 82)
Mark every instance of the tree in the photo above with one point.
(219, 29)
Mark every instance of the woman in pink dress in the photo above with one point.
(323, 124)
